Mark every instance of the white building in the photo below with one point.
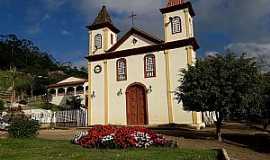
(132, 80)
(71, 86)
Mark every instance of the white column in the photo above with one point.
(84, 90)
(75, 92)
(65, 91)
(56, 92)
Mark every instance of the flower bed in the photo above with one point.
(120, 137)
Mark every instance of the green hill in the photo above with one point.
(34, 68)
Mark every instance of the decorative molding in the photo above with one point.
(187, 25)
(138, 32)
(106, 82)
(168, 83)
(187, 5)
(189, 55)
(89, 108)
(103, 25)
(143, 50)
(106, 94)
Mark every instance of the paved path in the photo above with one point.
(234, 150)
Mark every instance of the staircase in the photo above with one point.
(5, 95)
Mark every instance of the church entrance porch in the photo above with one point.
(136, 101)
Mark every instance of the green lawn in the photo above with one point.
(38, 149)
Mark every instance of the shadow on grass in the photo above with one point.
(259, 142)
(256, 142)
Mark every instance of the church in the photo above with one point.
(132, 80)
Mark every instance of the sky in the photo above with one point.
(58, 26)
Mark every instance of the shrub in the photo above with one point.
(48, 106)
(2, 105)
(23, 127)
(123, 137)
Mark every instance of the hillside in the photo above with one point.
(28, 58)
(34, 68)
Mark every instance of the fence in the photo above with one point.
(72, 118)
(69, 118)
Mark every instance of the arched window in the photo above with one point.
(149, 66)
(98, 41)
(79, 90)
(121, 69)
(52, 92)
(176, 25)
(61, 91)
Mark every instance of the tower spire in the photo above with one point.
(102, 20)
(171, 3)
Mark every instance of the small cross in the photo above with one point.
(132, 16)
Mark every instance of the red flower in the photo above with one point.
(123, 137)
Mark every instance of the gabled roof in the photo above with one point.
(139, 32)
(68, 82)
(103, 20)
(72, 79)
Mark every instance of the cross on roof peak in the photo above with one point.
(132, 16)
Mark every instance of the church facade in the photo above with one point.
(132, 80)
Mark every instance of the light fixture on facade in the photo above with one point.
(93, 95)
(149, 90)
(119, 93)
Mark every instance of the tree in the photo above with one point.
(28, 59)
(74, 102)
(224, 84)
(266, 99)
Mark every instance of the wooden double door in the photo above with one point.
(136, 105)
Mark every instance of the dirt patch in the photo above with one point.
(58, 134)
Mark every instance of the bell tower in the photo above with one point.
(102, 33)
(178, 20)
(174, 2)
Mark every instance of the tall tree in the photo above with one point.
(266, 99)
(224, 84)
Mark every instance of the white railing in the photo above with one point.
(69, 118)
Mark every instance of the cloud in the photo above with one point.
(80, 63)
(211, 53)
(146, 11)
(240, 20)
(65, 33)
(39, 12)
(54, 4)
(260, 51)
(35, 24)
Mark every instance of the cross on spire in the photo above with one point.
(132, 16)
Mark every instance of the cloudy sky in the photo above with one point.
(58, 26)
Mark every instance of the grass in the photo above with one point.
(40, 149)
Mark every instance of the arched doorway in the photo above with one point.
(136, 101)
